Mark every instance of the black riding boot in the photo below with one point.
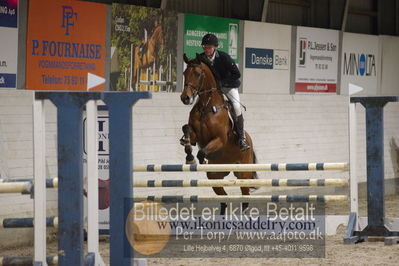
(241, 133)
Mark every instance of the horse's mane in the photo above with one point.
(201, 58)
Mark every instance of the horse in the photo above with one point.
(210, 127)
(155, 42)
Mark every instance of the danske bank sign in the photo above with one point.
(266, 58)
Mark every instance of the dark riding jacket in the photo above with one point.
(225, 70)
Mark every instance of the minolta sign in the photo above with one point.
(359, 64)
(266, 58)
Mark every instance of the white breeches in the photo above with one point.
(234, 97)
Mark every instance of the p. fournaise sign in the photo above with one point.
(66, 42)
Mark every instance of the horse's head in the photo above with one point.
(194, 77)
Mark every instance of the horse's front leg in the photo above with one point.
(212, 147)
(187, 139)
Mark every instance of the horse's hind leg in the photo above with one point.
(244, 190)
(219, 190)
(186, 142)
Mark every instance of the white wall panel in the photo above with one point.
(267, 36)
(390, 65)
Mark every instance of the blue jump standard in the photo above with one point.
(375, 172)
(70, 170)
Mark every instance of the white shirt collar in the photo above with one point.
(213, 56)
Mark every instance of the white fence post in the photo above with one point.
(92, 181)
(39, 155)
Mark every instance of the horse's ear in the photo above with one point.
(198, 58)
(185, 58)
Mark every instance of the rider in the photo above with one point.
(228, 75)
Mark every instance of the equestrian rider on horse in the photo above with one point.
(227, 74)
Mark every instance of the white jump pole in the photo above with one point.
(160, 72)
(39, 203)
(131, 67)
(354, 195)
(154, 80)
(170, 72)
(92, 181)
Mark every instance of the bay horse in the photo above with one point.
(210, 127)
(155, 42)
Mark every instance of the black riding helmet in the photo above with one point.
(210, 39)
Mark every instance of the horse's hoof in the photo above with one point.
(252, 189)
(191, 162)
(184, 141)
(244, 207)
(204, 162)
(223, 207)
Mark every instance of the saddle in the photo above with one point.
(231, 115)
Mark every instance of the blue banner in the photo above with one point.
(259, 58)
(8, 80)
(9, 13)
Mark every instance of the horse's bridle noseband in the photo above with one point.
(201, 80)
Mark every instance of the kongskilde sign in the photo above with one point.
(227, 31)
(316, 60)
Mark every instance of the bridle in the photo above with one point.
(201, 79)
(197, 89)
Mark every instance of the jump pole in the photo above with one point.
(241, 167)
(339, 182)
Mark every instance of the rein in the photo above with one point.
(198, 92)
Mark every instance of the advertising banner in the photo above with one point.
(103, 167)
(360, 64)
(316, 60)
(8, 43)
(266, 58)
(65, 46)
(227, 31)
(144, 48)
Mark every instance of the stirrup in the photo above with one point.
(243, 145)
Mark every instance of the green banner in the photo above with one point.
(227, 31)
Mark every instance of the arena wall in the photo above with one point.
(284, 128)
(390, 65)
